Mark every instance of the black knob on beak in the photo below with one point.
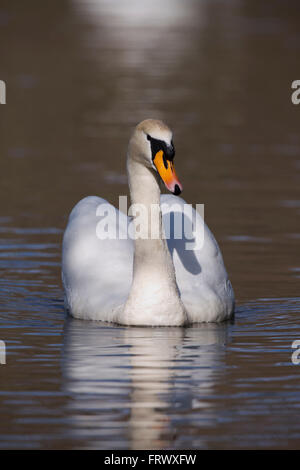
(170, 151)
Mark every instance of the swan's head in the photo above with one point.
(151, 144)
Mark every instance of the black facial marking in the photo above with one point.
(157, 145)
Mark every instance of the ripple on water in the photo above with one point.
(93, 385)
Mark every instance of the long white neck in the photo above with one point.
(151, 251)
(154, 297)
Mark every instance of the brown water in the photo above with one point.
(79, 76)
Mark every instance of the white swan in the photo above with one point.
(134, 282)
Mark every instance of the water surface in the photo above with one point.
(79, 76)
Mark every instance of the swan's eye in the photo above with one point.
(148, 137)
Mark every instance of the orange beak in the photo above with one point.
(167, 173)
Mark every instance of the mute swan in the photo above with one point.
(133, 282)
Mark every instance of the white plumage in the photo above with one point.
(134, 283)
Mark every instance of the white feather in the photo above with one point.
(146, 282)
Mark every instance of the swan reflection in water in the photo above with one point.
(131, 387)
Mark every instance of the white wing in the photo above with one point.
(96, 273)
(200, 272)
